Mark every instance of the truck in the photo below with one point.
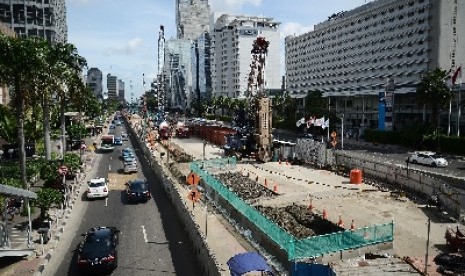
(107, 143)
(182, 131)
(240, 145)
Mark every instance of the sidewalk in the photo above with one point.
(42, 253)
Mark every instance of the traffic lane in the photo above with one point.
(152, 239)
(175, 239)
(456, 168)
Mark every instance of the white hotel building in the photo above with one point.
(232, 40)
(350, 56)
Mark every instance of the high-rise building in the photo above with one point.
(178, 73)
(94, 81)
(112, 87)
(121, 90)
(4, 93)
(232, 41)
(192, 18)
(42, 18)
(201, 68)
(351, 56)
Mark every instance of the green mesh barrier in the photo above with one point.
(295, 248)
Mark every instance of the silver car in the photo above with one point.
(427, 158)
(130, 167)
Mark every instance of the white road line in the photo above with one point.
(109, 167)
(106, 201)
(145, 234)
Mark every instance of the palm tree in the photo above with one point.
(433, 91)
(19, 62)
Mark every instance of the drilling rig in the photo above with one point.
(254, 133)
(161, 95)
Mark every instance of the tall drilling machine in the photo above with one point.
(254, 122)
(161, 95)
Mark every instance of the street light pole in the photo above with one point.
(342, 132)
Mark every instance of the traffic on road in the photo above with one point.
(116, 236)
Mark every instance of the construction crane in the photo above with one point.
(254, 137)
(161, 95)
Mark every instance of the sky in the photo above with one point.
(121, 37)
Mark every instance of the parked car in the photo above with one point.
(98, 253)
(130, 167)
(118, 141)
(427, 158)
(137, 190)
(112, 126)
(97, 188)
(118, 123)
(124, 137)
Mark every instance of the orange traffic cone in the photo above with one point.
(287, 163)
(275, 188)
(325, 214)
(340, 223)
(352, 225)
(266, 183)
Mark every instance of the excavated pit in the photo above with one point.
(295, 219)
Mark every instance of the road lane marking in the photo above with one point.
(145, 234)
(106, 201)
(109, 167)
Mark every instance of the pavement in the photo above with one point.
(35, 264)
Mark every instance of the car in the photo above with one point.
(130, 167)
(118, 141)
(112, 126)
(137, 190)
(129, 158)
(118, 123)
(427, 158)
(97, 188)
(98, 252)
(124, 137)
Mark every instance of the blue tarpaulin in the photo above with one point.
(247, 262)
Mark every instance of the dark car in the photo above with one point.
(138, 191)
(98, 252)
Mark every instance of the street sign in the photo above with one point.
(194, 195)
(193, 179)
(63, 170)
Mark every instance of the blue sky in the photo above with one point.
(120, 37)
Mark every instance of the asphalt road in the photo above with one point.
(152, 241)
(391, 154)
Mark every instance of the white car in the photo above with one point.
(97, 188)
(427, 158)
(130, 167)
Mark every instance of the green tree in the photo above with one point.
(47, 198)
(7, 124)
(315, 104)
(19, 62)
(433, 92)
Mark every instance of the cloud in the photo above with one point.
(130, 48)
(294, 28)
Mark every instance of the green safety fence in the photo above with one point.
(295, 248)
